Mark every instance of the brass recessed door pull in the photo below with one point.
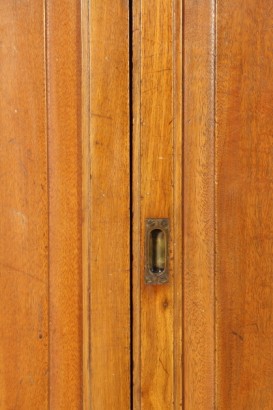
(157, 251)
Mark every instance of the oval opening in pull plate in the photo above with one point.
(156, 251)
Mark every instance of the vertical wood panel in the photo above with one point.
(86, 237)
(64, 150)
(157, 194)
(244, 205)
(178, 201)
(199, 204)
(136, 202)
(23, 208)
(110, 198)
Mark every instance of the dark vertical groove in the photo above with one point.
(173, 193)
(130, 56)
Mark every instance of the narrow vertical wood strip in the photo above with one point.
(86, 213)
(178, 200)
(155, 76)
(23, 208)
(157, 384)
(157, 187)
(110, 200)
(64, 151)
(136, 276)
(199, 204)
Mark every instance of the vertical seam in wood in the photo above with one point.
(139, 194)
(130, 55)
(173, 196)
(173, 230)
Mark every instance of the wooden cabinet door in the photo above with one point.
(136, 241)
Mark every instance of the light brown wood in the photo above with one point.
(85, 129)
(157, 194)
(244, 109)
(136, 203)
(23, 208)
(201, 147)
(178, 202)
(198, 200)
(65, 222)
(109, 206)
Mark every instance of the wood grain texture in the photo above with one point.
(110, 201)
(198, 205)
(156, 192)
(244, 205)
(178, 202)
(156, 189)
(64, 152)
(86, 214)
(23, 208)
(136, 203)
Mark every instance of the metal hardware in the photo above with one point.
(157, 251)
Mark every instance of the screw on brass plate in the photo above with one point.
(156, 251)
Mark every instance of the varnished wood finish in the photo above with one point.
(156, 192)
(178, 201)
(201, 156)
(65, 224)
(244, 108)
(109, 205)
(156, 189)
(136, 222)
(23, 208)
(41, 342)
(198, 201)
(86, 214)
